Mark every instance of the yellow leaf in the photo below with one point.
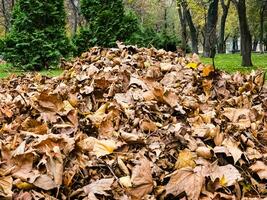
(99, 115)
(24, 185)
(192, 65)
(185, 159)
(223, 181)
(104, 147)
(125, 181)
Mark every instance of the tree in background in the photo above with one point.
(222, 39)
(37, 37)
(210, 30)
(246, 40)
(186, 20)
(182, 17)
(6, 7)
(74, 18)
(106, 23)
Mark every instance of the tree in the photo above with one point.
(246, 40)
(6, 7)
(222, 39)
(192, 28)
(106, 23)
(263, 11)
(75, 18)
(37, 37)
(182, 17)
(210, 29)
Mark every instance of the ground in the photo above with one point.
(226, 62)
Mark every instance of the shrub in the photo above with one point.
(106, 23)
(37, 38)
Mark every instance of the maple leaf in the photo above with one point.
(186, 180)
(185, 159)
(142, 181)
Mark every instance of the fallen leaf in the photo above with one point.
(260, 168)
(185, 159)
(104, 147)
(44, 182)
(233, 148)
(185, 180)
(99, 186)
(142, 182)
(207, 70)
(125, 181)
(228, 175)
(6, 187)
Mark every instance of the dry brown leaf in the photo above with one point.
(99, 115)
(148, 126)
(228, 175)
(6, 187)
(260, 168)
(44, 182)
(99, 186)
(232, 147)
(141, 179)
(55, 165)
(186, 180)
(239, 117)
(50, 102)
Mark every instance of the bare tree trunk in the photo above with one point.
(221, 42)
(261, 27)
(76, 15)
(192, 28)
(210, 30)
(235, 45)
(255, 44)
(6, 12)
(5, 16)
(246, 41)
(181, 14)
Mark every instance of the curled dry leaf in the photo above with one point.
(260, 168)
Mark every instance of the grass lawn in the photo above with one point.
(232, 62)
(6, 70)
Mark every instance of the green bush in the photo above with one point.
(106, 23)
(37, 38)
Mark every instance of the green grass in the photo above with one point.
(6, 70)
(232, 62)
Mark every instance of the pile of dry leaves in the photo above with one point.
(135, 124)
